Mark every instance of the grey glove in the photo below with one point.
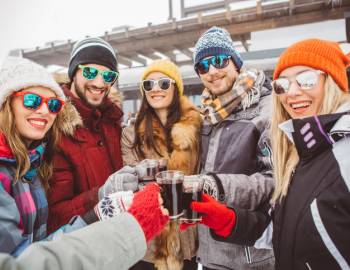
(209, 185)
(122, 180)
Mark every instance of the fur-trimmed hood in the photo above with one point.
(69, 119)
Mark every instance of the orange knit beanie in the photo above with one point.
(318, 54)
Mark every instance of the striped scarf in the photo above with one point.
(243, 94)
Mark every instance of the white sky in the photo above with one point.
(30, 23)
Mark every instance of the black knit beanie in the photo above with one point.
(92, 51)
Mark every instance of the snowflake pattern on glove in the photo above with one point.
(109, 207)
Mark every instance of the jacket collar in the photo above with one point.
(313, 135)
(91, 117)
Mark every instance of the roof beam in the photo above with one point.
(124, 61)
(136, 58)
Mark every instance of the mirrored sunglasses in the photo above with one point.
(34, 101)
(91, 73)
(164, 84)
(305, 80)
(217, 61)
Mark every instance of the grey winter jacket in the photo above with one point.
(117, 243)
(237, 151)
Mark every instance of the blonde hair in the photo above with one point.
(284, 153)
(19, 149)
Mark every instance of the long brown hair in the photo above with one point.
(19, 149)
(147, 114)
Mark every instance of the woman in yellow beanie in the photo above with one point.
(167, 126)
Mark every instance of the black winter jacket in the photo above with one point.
(312, 223)
(311, 226)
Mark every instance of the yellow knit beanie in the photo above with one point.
(168, 68)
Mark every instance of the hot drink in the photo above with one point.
(162, 168)
(150, 174)
(147, 170)
(172, 198)
(162, 165)
(171, 183)
(191, 216)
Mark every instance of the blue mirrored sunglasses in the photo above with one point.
(34, 101)
(217, 61)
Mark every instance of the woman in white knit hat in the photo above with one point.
(33, 114)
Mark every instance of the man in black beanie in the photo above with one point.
(86, 159)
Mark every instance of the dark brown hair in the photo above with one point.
(147, 114)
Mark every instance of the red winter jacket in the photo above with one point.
(84, 162)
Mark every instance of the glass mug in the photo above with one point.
(146, 171)
(171, 183)
(192, 192)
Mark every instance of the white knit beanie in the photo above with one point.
(19, 73)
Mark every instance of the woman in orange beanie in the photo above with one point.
(167, 127)
(310, 134)
(310, 144)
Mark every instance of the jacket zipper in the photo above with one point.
(247, 254)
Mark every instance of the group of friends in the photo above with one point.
(273, 157)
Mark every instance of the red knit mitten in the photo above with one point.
(215, 215)
(146, 209)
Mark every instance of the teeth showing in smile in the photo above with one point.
(300, 105)
(157, 97)
(38, 123)
(96, 91)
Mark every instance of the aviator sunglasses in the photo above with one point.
(217, 61)
(91, 73)
(163, 83)
(34, 101)
(305, 80)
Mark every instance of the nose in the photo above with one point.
(294, 89)
(212, 70)
(98, 82)
(43, 109)
(156, 87)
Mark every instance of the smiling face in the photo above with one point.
(301, 103)
(158, 98)
(92, 92)
(219, 81)
(32, 125)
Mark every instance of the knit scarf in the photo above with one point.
(243, 94)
